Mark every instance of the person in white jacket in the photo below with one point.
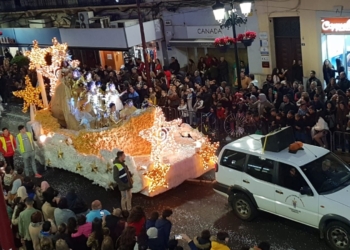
(319, 132)
(183, 110)
(191, 112)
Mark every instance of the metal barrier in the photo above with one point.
(202, 121)
(170, 113)
(236, 127)
(341, 140)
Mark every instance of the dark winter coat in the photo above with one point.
(124, 183)
(202, 244)
(164, 229)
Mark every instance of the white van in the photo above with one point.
(311, 186)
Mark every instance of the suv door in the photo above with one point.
(290, 203)
(231, 167)
(258, 178)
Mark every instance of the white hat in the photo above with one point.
(152, 233)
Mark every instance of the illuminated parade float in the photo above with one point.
(79, 132)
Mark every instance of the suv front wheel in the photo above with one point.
(243, 207)
(338, 235)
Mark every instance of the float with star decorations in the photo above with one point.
(76, 131)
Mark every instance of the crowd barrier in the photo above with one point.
(341, 141)
(334, 141)
(202, 121)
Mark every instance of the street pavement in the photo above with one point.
(196, 207)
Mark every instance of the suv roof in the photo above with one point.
(252, 145)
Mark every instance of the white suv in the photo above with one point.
(311, 186)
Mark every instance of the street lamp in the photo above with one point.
(232, 20)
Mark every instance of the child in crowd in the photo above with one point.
(151, 222)
(8, 178)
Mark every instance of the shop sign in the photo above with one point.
(203, 32)
(335, 25)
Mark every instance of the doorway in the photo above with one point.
(337, 47)
(287, 43)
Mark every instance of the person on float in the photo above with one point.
(26, 147)
(93, 101)
(128, 110)
(123, 178)
(113, 114)
(8, 146)
(113, 96)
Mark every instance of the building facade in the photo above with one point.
(287, 31)
(323, 32)
(190, 34)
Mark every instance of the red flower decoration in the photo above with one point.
(240, 37)
(250, 35)
(222, 41)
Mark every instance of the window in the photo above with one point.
(327, 174)
(289, 177)
(260, 168)
(233, 159)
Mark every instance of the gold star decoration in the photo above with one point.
(78, 167)
(48, 162)
(109, 168)
(157, 176)
(60, 154)
(36, 56)
(94, 168)
(58, 51)
(30, 95)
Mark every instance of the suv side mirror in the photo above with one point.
(306, 191)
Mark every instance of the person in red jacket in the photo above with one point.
(158, 66)
(167, 76)
(7, 146)
(208, 61)
(220, 114)
(140, 66)
(137, 219)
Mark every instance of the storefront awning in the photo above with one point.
(195, 43)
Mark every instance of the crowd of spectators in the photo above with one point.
(12, 75)
(203, 94)
(43, 219)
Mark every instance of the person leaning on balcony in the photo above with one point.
(25, 145)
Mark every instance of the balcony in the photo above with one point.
(32, 5)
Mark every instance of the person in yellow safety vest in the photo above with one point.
(123, 178)
(25, 145)
(7, 146)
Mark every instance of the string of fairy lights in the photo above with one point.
(37, 56)
(161, 136)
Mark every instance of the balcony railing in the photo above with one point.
(23, 5)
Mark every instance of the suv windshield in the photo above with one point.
(327, 173)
